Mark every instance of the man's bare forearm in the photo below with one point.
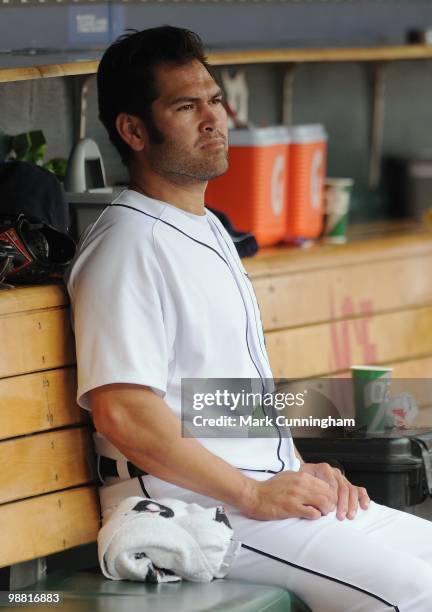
(141, 425)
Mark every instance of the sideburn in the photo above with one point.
(155, 135)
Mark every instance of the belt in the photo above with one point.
(108, 467)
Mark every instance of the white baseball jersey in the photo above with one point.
(159, 294)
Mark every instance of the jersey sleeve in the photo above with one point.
(118, 315)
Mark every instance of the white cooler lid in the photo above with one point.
(276, 134)
(310, 132)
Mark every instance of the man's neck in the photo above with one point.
(188, 196)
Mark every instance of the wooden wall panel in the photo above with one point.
(316, 350)
(414, 368)
(424, 418)
(35, 341)
(413, 376)
(37, 402)
(36, 297)
(45, 462)
(322, 295)
(51, 523)
(404, 245)
(411, 368)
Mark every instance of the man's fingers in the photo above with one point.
(327, 473)
(325, 488)
(314, 487)
(322, 503)
(350, 497)
(353, 501)
(364, 498)
(309, 512)
(343, 499)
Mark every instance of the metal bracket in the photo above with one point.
(377, 123)
(80, 85)
(287, 98)
(427, 462)
(27, 573)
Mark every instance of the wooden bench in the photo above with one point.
(322, 309)
(47, 481)
(48, 494)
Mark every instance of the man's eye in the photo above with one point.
(217, 100)
(185, 107)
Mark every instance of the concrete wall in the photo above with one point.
(81, 23)
(337, 95)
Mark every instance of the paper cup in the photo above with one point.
(337, 196)
(371, 390)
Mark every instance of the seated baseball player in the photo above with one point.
(159, 294)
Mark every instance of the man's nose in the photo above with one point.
(209, 119)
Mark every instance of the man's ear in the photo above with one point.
(132, 130)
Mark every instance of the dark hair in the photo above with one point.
(126, 81)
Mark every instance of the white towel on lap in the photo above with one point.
(166, 540)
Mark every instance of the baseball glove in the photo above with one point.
(31, 250)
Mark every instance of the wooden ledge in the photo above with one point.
(224, 58)
(362, 246)
(44, 71)
(31, 298)
(336, 54)
(371, 242)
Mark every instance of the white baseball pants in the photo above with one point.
(378, 562)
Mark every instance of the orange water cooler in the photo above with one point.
(306, 170)
(253, 190)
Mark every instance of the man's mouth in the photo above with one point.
(213, 143)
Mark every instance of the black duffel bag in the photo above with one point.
(34, 219)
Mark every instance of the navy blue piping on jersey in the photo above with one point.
(247, 286)
(101, 480)
(259, 339)
(174, 227)
(263, 471)
(282, 462)
(144, 490)
(321, 575)
(244, 306)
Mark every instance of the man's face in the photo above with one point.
(192, 121)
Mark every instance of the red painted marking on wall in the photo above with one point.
(348, 334)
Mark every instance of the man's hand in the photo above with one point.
(288, 495)
(348, 495)
(142, 426)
